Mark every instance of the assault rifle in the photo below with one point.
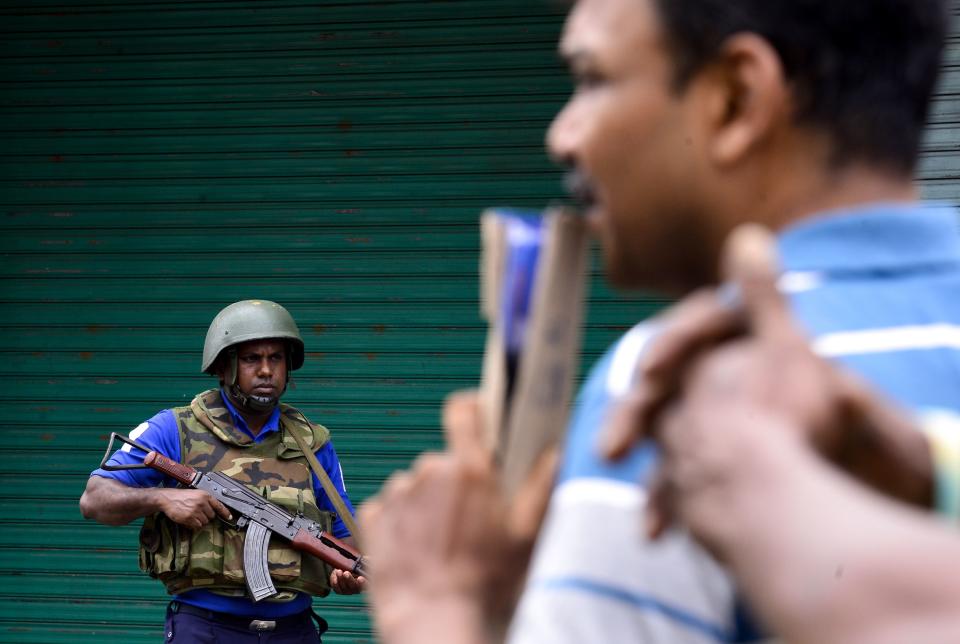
(260, 517)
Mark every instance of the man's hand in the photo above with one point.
(717, 351)
(113, 503)
(191, 508)
(803, 384)
(820, 557)
(449, 553)
(343, 582)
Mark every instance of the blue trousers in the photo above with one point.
(193, 628)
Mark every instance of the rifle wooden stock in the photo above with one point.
(331, 554)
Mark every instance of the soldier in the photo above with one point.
(243, 430)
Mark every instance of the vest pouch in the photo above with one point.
(282, 560)
(164, 547)
(284, 563)
(233, 554)
(287, 564)
(205, 560)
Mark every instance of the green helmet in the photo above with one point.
(251, 320)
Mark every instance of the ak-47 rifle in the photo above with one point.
(260, 517)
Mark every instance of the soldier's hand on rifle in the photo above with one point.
(192, 508)
(448, 552)
(344, 582)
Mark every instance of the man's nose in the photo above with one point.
(564, 134)
(264, 367)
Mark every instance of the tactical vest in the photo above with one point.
(212, 557)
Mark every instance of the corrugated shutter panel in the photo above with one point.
(940, 163)
(162, 159)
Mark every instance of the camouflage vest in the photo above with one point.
(212, 557)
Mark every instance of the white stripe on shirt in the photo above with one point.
(899, 338)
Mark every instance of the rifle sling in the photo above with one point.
(332, 493)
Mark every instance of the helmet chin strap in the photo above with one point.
(252, 403)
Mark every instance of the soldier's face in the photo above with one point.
(631, 138)
(262, 368)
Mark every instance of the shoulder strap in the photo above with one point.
(332, 493)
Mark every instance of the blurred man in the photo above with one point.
(692, 117)
(689, 119)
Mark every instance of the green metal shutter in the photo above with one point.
(939, 172)
(162, 159)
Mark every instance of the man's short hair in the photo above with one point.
(863, 71)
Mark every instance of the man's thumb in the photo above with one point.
(463, 427)
(751, 264)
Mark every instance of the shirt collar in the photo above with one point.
(272, 424)
(874, 237)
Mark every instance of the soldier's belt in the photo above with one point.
(243, 623)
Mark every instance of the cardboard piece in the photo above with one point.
(493, 388)
(527, 413)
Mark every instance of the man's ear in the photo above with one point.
(749, 97)
(225, 367)
(219, 371)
